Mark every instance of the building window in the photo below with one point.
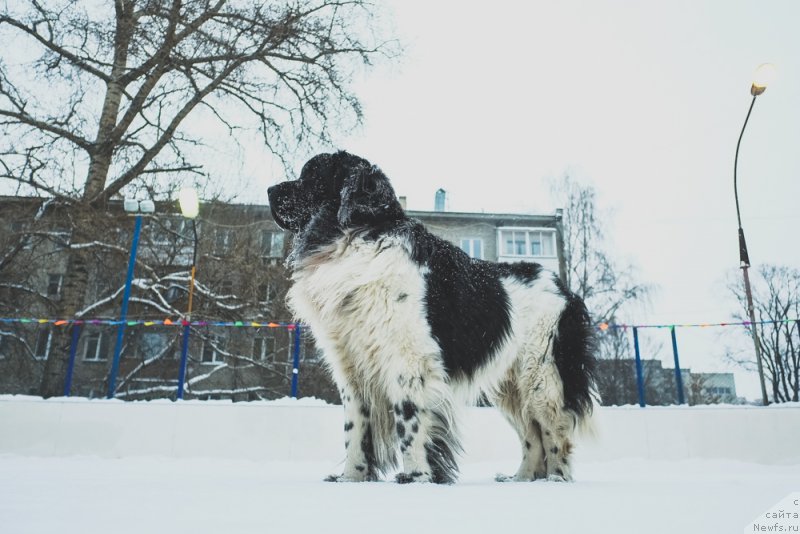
(96, 347)
(226, 288)
(153, 345)
(19, 229)
(266, 293)
(173, 293)
(528, 242)
(54, 285)
(263, 348)
(213, 350)
(542, 243)
(272, 244)
(223, 241)
(473, 247)
(42, 347)
(166, 230)
(312, 355)
(61, 236)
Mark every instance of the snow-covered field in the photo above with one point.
(106, 466)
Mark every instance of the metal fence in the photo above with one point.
(248, 360)
(705, 363)
(137, 359)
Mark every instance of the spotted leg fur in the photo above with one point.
(557, 450)
(533, 465)
(545, 455)
(425, 428)
(360, 463)
(544, 431)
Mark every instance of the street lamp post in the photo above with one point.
(137, 208)
(764, 75)
(190, 207)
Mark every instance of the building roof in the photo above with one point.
(500, 218)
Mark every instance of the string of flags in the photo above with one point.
(146, 322)
(606, 326)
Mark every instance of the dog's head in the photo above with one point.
(347, 185)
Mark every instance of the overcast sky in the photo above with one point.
(644, 100)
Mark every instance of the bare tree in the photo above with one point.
(616, 377)
(776, 299)
(94, 100)
(590, 269)
(698, 391)
(605, 285)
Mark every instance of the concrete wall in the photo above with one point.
(298, 431)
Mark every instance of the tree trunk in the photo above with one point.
(73, 297)
(100, 158)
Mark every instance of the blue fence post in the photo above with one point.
(296, 365)
(639, 374)
(678, 376)
(73, 348)
(112, 375)
(184, 357)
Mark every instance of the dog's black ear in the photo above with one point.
(367, 197)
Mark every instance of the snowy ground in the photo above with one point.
(144, 494)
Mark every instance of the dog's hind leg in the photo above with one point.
(532, 466)
(557, 428)
(557, 423)
(508, 400)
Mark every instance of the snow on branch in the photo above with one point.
(143, 365)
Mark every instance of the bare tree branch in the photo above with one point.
(776, 301)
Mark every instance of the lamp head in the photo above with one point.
(130, 205)
(189, 202)
(764, 75)
(147, 206)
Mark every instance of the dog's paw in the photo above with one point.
(414, 476)
(559, 478)
(343, 478)
(346, 478)
(499, 477)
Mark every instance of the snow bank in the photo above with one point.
(309, 430)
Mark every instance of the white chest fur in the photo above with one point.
(364, 302)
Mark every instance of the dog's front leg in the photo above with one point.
(360, 464)
(425, 426)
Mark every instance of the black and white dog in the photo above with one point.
(411, 326)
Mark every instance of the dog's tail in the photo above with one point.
(574, 348)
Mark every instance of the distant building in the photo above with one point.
(721, 386)
(618, 386)
(501, 236)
